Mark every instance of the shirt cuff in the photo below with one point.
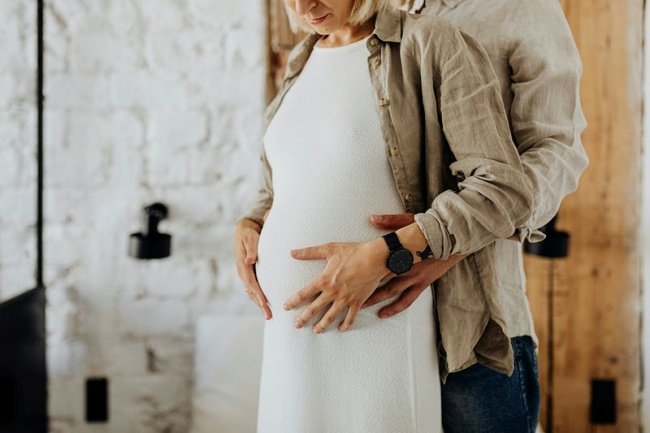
(528, 234)
(256, 215)
(432, 229)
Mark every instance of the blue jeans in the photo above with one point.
(481, 400)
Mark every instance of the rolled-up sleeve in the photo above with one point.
(546, 114)
(493, 197)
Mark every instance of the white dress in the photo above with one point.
(330, 173)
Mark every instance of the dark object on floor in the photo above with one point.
(556, 244)
(151, 244)
(23, 368)
(97, 399)
(603, 402)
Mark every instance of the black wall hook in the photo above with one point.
(151, 244)
(556, 244)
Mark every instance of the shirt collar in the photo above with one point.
(388, 25)
(451, 3)
(388, 28)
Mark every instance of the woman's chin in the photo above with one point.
(321, 31)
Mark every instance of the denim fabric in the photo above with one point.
(481, 400)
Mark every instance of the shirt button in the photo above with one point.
(383, 102)
(375, 62)
(407, 197)
(373, 42)
(394, 151)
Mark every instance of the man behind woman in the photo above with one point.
(369, 99)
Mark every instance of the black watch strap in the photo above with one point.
(392, 241)
(425, 253)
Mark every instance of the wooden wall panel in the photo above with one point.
(280, 40)
(595, 292)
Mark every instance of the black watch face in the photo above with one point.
(400, 261)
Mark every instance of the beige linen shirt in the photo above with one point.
(456, 167)
(538, 67)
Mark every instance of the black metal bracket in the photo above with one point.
(151, 244)
(556, 244)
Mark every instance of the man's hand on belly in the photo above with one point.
(409, 285)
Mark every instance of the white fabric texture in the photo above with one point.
(330, 173)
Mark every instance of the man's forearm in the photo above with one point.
(546, 114)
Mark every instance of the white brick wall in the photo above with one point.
(147, 100)
(17, 147)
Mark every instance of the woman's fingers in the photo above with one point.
(318, 252)
(408, 297)
(246, 273)
(259, 295)
(350, 317)
(313, 309)
(246, 240)
(329, 317)
(304, 295)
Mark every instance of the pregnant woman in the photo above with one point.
(380, 112)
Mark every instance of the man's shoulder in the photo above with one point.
(505, 23)
(513, 14)
(425, 23)
(426, 28)
(497, 13)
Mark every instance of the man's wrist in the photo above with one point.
(425, 253)
(413, 239)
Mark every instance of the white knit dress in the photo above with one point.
(330, 173)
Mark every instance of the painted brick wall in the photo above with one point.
(146, 100)
(17, 146)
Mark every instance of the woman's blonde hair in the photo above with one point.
(361, 12)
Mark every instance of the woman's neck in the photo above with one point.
(348, 34)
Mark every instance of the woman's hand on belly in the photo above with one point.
(245, 240)
(353, 272)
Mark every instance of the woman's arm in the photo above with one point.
(246, 239)
(264, 198)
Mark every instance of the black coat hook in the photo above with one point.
(151, 244)
(556, 244)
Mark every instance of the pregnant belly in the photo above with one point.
(280, 276)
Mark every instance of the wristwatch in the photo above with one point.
(400, 259)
